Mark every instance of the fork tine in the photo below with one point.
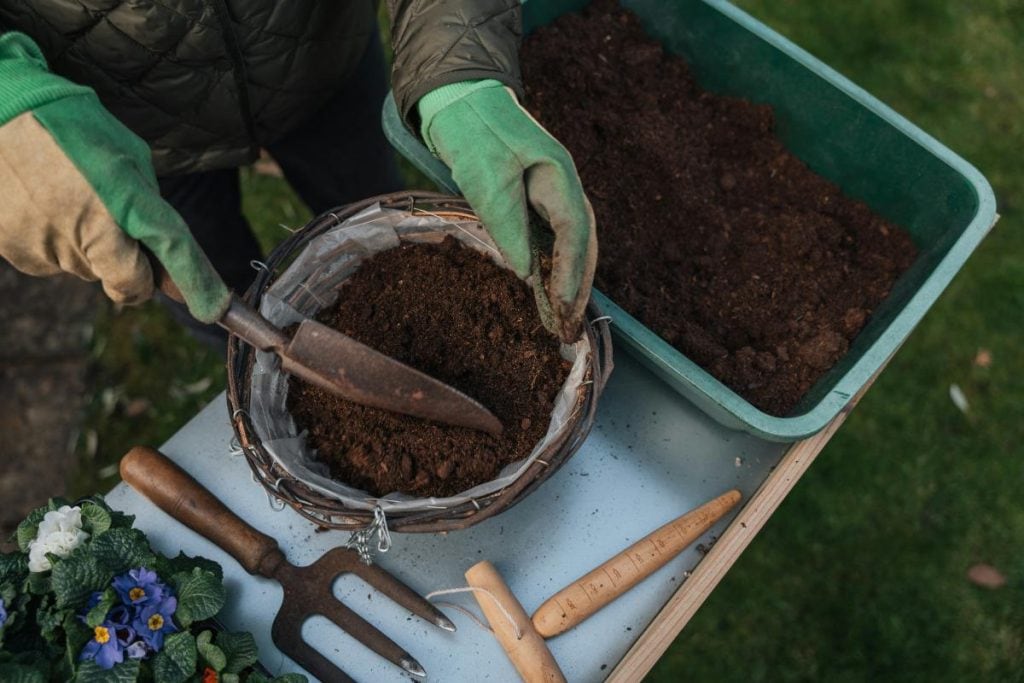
(341, 560)
(366, 633)
(287, 635)
(390, 586)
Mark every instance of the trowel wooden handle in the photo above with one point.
(162, 278)
(574, 603)
(529, 653)
(174, 491)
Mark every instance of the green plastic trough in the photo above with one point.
(841, 132)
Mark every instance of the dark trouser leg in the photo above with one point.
(211, 204)
(340, 154)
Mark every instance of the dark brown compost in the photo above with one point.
(452, 313)
(712, 234)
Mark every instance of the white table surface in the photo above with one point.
(651, 457)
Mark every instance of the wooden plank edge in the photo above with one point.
(683, 604)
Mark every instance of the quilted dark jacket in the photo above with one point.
(207, 82)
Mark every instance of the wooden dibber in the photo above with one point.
(528, 653)
(585, 596)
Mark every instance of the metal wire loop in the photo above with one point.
(383, 533)
(359, 540)
(258, 265)
(601, 319)
(272, 497)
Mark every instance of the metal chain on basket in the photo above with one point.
(360, 539)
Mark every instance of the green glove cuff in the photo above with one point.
(506, 164)
(25, 82)
(436, 100)
(116, 163)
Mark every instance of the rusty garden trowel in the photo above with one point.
(348, 368)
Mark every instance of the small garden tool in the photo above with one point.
(308, 591)
(348, 368)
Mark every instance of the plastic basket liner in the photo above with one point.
(311, 283)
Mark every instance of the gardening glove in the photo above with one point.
(505, 163)
(80, 193)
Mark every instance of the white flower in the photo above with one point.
(59, 533)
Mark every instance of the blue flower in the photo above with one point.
(120, 615)
(3, 613)
(106, 647)
(154, 620)
(94, 600)
(140, 586)
(137, 650)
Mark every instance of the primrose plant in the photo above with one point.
(85, 598)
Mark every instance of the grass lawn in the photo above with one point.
(862, 573)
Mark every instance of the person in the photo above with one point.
(123, 124)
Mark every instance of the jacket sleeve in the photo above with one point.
(437, 42)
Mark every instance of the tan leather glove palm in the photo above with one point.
(53, 221)
(80, 194)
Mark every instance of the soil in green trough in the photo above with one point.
(452, 313)
(712, 234)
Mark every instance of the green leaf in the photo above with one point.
(256, 677)
(200, 595)
(7, 594)
(229, 678)
(169, 566)
(118, 520)
(119, 550)
(125, 672)
(98, 613)
(23, 673)
(50, 619)
(240, 650)
(78, 576)
(13, 568)
(177, 661)
(95, 499)
(77, 635)
(121, 520)
(95, 519)
(29, 527)
(213, 655)
(38, 583)
(289, 678)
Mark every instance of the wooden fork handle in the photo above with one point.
(174, 491)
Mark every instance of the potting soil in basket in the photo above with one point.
(712, 234)
(393, 278)
(452, 313)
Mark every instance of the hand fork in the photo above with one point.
(308, 591)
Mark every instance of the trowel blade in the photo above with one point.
(357, 373)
